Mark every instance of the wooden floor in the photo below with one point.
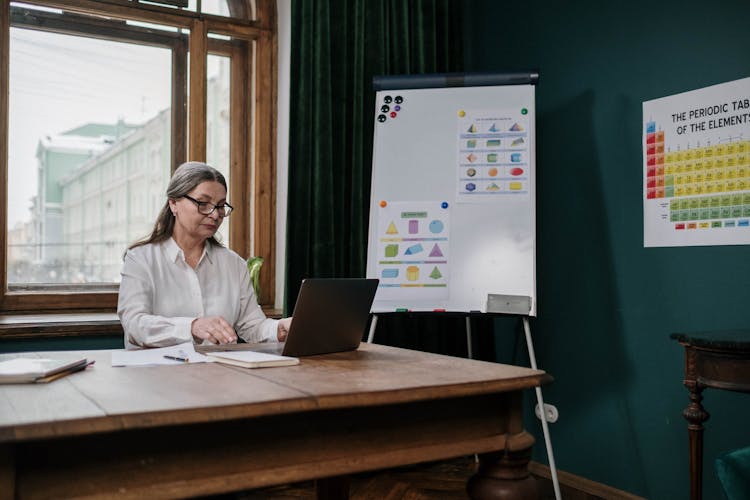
(433, 481)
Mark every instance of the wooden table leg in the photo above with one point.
(332, 488)
(695, 414)
(7, 472)
(505, 474)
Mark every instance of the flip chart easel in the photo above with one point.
(452, 203)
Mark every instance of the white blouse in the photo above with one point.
(161, 295)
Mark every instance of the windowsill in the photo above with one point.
(39, 326)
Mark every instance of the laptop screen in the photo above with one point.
(330, 315)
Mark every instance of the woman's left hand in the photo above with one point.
(283, 329)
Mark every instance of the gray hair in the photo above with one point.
(185, 179)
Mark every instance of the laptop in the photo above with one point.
(330, 315)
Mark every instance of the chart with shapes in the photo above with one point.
(413, 243)
(696, 152)
(493, 155)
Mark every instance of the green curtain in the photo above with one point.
(337, 47)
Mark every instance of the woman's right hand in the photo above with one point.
(215, 329)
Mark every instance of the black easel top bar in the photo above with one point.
(440, 80)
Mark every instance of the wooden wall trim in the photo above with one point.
(4, 93)
(197, 99)
(265, 124)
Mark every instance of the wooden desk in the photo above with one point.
(177, 431)
(720, 360)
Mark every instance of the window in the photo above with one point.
(104, 101)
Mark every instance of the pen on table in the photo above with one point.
(176, 358)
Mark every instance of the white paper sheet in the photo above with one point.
(155, 356)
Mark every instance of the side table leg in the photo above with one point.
(695, 414)
(505, 474)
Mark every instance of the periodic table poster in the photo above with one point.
(696, 167)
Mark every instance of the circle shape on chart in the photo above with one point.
(492, 172)
(385, 108)
(471, 186)
(462, 113)
(524, 111)
(516, 171)
(393, 114)
(471, 172)
(387, 99)
(396, 108)
(383, 203)
(382, 118)
(436, 226)
(399, 99)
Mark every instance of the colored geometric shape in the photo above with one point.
(471, 186)
(493, 128)
(391, 229)
(391, 250)
(517, 142)
(471, 157)
(516, 127)
(493, 187)
(436, 252)
(472, 129)
(492, 158)
(436, 274)
(471, 143)
(414, 249)
(413, 226)
(515, 157)
(389, 273)
(492, 172)
(516, 186)
(436, 226)
(471, 172)
(412, 273)
(493, 143)
(516, 171)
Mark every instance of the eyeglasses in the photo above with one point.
(207, 208)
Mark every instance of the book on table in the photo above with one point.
(20, 369)
(251, 359)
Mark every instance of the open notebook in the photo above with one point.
(28, 369)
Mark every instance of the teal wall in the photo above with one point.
(607, 304)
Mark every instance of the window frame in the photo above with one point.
(252, 51)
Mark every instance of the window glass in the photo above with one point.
(217, 7)
(89, 154)
(217, 123)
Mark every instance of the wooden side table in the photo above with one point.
(716, 359)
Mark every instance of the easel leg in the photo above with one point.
(469, 349)
(540, 402)
(373, 324)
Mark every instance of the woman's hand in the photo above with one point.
(215, 329)
(283, 329)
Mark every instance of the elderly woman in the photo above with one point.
(180, 284)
